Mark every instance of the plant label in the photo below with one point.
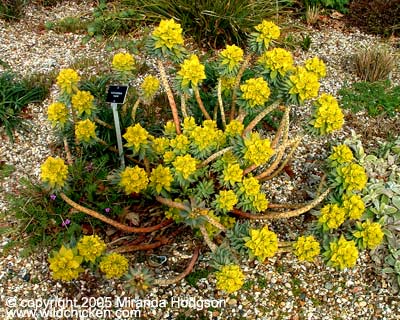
(116, 94)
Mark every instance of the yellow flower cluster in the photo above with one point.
(188, 125)
(57, 113)
(82, 101)
(54, 172)
(353, 205)
(344, 253)
(227, 84)
(260, 202)
(277, 60)
(159, 145)
(192, 72)
(149, 87)
(185, 165)
(232, 174)
(169, 156)
(67, 80)
(316, 66)
(250, 187)
(160, 178)
(267, 31)
(231, 57)
(332, 216)
(169, 129)
(230, 278)
(133, 180)
(91, 247)
(304, 83)
(328, 116)
(255, 92)
(353, 175)
(168, 34)
(65, 264)
(136, 136)
(85, 130)
(306, 248)
(123, 62)
(114, 265)
(234, 128)
(226, 200)
(341, 154)
(180, 144)
(370, 234)
(207, 136)
(262, 243)
(258, 151)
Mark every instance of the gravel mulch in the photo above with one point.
(281, 288)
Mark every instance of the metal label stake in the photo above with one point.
(116, 95)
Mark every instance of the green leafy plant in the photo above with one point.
(12, 9)
(67, 24)
(14, 96)
(382, 199)
(205, 172)
(376, 98)
(374, 63)
(339, 5)
(211, 23)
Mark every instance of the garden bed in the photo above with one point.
(282, 287)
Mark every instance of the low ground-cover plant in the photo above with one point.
(382, 200)
(374, 97)
(206, 172)
(16, 94)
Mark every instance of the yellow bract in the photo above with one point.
(328, 116)
(354, 176)
(232, 173)
(91, 247)
(341, 154)
(54, 172)
(277, 59)
(370, 233)
(268, 31)
(262, 243)
(231, 57)
(57, 113)
(226, 200)
(230, 278)
(344, 253)
(133, 179)
(85, 130)
(332, 216)
(149, 87)
(258, 151)
(234, 128)
(123, 62)
(168, 34)
(192, 72)
(353, 205)
(65, 264)
(136, 136)
(316, 66)
(306, 248)
(114, 265)
(305, 84)
(68, 80)
(185, 165)
(82, 101)
(160, 178)
(255, 91)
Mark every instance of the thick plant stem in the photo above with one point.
(138, 247)
(111, 222)
(200, 103)
(214, 156)
(288, 157)
(170, 96)
(215, 223)
(237, 82)
(221, 104)
(283, 128)
(102, 123)
(207, 239)
(183, 105)
(188, 270)
(172, 204)
(134, 109)
(282, 215)
(258, 118)
(68, 152)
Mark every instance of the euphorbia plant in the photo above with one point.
(208, 173)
